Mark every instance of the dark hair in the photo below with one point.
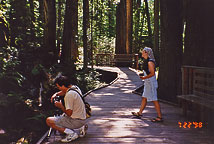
(62, 80)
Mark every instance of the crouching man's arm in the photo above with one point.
(68, 112)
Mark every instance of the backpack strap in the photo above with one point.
(75, 89)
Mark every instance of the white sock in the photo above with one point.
(68, 131)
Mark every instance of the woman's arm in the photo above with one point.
(151, 67)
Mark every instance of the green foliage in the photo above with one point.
(140, 27)
(88, 80)
(10, 78)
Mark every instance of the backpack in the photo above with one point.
(87, 105)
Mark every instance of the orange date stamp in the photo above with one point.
(190, 124)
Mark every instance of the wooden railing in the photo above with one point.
(197, 97)
(120, 60)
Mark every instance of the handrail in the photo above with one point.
(108, 59)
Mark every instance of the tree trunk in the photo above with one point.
(74, 27)
(120, 29)
(199, 33)
(171, 49)
(129, 23)
(91, 50)
(85, 31)
(148, 23)
(69, 48)
(142, 23)
(156, 31)
(49, 51)
(137, 46)
(59, 25)
(110, 19)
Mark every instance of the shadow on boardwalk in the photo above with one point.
(112, 122)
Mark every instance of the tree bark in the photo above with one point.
(74, 27)
(171, 49)
(120, 29)
(50, 52)
(198, 50)
(137, 45)
(148, 23)
(110, 19)
(92, 45)
(156, 31)
(69, 48)
(59, 30)
(129, 23)
(85, 31)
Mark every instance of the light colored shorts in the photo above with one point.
(68, 122)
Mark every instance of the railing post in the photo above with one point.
(187, 80)
(136, 55)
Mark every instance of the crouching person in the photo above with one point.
(74, 116)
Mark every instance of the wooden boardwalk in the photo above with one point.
(112, 122)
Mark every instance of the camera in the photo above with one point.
(141, 74)
(58, 99)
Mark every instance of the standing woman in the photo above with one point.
(150, 84)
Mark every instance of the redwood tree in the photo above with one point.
(198, 50)
(69, 48)
(171, 49)
(148, 23)
(120, 28)
(49, 50)
(85, 31)
(129, 25)
(156, 30)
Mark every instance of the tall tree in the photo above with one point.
(129, 25)
(110, 19)
(120, 47)
(148, 23)
(69, 48)
(50, 51)
(74, 26)
(171, 49)
(199, 33)
(136, 36)
(156, 30)
(92, 40)
(41, 21)
(85, 31)
(59, 26)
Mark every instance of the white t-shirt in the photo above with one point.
(74, 102)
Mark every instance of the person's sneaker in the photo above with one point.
(70, 137)
(83, 130)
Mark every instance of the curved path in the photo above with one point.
(112, 122)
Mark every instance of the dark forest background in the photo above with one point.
(42, 38)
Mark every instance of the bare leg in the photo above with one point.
(157, 107)
(143, 105)
(51, 123)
